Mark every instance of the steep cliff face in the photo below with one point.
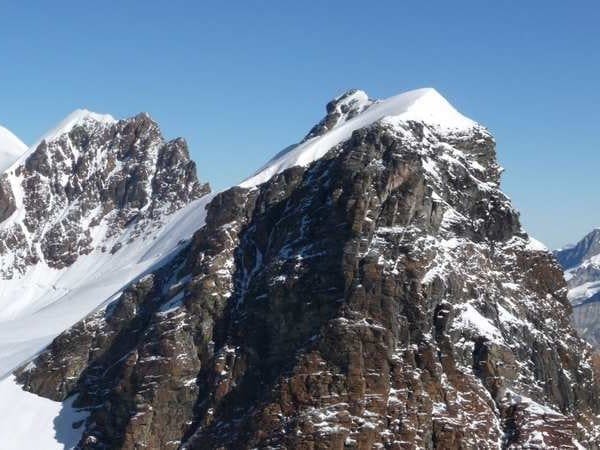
(370, 287)
(581, 263)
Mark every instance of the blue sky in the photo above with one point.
(241, 80)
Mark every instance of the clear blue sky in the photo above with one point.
(241, 80)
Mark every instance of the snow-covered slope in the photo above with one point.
(11, 148)
(32, 422)
(37, 307)
(46, 301)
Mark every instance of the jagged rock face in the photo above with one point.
(87, 185)
(384, 297)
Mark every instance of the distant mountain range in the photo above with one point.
(581, 263)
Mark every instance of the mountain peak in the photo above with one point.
(352, 111)
(9, 142)
(107, 177)
(339, 110)
(429, 106)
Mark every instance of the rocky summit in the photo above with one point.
(370, 287)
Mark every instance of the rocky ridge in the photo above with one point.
(379, 294)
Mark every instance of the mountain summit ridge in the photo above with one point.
(354, 110)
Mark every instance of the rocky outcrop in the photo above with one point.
(385, 296)
(339, 110)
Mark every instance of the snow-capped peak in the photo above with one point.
(11, 147)
(429, 106)
(77, 117)
(423, 105)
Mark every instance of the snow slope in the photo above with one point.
(425, 105)
(50, 301)
(11, 148)
(41, 424)
(36, 308)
